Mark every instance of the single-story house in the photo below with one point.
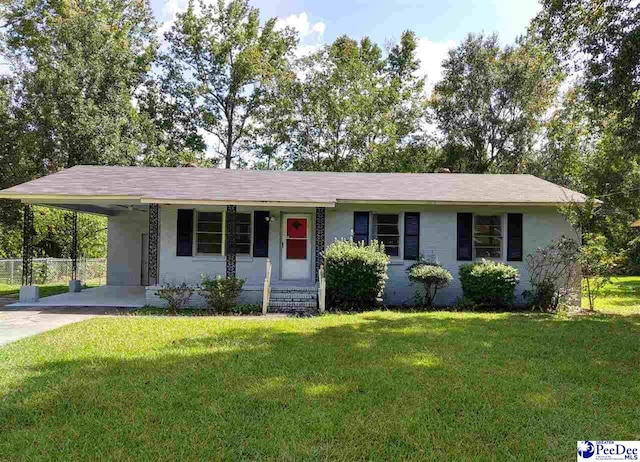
(175, 224)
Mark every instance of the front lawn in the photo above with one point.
(384, 386)
(621, 296)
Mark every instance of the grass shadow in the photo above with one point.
(371, 386)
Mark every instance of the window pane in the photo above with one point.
(388, 229)
(388, 219)
(296, 249)
(243, 228)
(244, 218)
(243, 249)
(210, 227)
(391, 251)
(390, 240)
(243, 239)
(208, 238)
(210, 216)
(487, 236)
(487, 253)
(209, 248)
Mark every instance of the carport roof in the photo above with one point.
(191, 185)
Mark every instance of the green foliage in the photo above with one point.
(489, 283)
(356, 274)
(176, 295)
(356, 108)
(597, 266)
(222, 66)
(78, 65)
(221, 293)
(491, 102)
(432, 277)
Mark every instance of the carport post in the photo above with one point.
(74, 284)
(28, 292)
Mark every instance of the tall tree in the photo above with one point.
(79, 64)
(601, 40)
(224, 62)
(491, 102)
(354, 107)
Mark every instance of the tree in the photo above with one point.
(596, 265)
(222, 63)
(79, 65)
(491, 102)
(355, 108)
(601, 40)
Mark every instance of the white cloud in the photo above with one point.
(431, 54)
(300, 23)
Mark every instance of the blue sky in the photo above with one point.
(439, 25)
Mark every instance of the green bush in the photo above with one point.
(489, 283)
(176, 295)
(432, 277)
(355, 274)
(221, 294)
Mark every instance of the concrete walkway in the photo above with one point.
(17, 323)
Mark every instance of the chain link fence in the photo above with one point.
(52, 270)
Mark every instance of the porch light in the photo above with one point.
(270, 219)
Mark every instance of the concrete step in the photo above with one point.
(277, 290)
(292, 304)
(293, 296)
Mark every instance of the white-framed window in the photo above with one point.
(487, 236)
(210, 233)
(243, 233)
(386, 229)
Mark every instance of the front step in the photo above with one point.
(293, 300)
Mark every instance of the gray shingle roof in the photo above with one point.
(151, 184)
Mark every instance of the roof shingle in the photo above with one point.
(190, 184)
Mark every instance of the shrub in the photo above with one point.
(355, 274)
(221, 294)
(489, 283)
(432, 276)
(176, 295)
(553, 274)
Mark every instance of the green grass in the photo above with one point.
(45, 289)
(621, 296)
(375, 386)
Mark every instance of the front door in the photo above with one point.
(296, 247)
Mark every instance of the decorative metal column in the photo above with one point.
(27, 246)
(154, 232)
(320, 237)
(231, 241)
(74, 245)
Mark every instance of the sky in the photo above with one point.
(439, 25)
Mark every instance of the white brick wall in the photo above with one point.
(437, 236)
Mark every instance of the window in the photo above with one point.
(209, 233)
(487, 236)
(243, 233)
(387, 231)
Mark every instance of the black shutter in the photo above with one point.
(184, 234)
(465, 236)
(514, 237)
(361, 227)
(260, 234)
(411, 235)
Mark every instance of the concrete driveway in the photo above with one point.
(17, 323)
